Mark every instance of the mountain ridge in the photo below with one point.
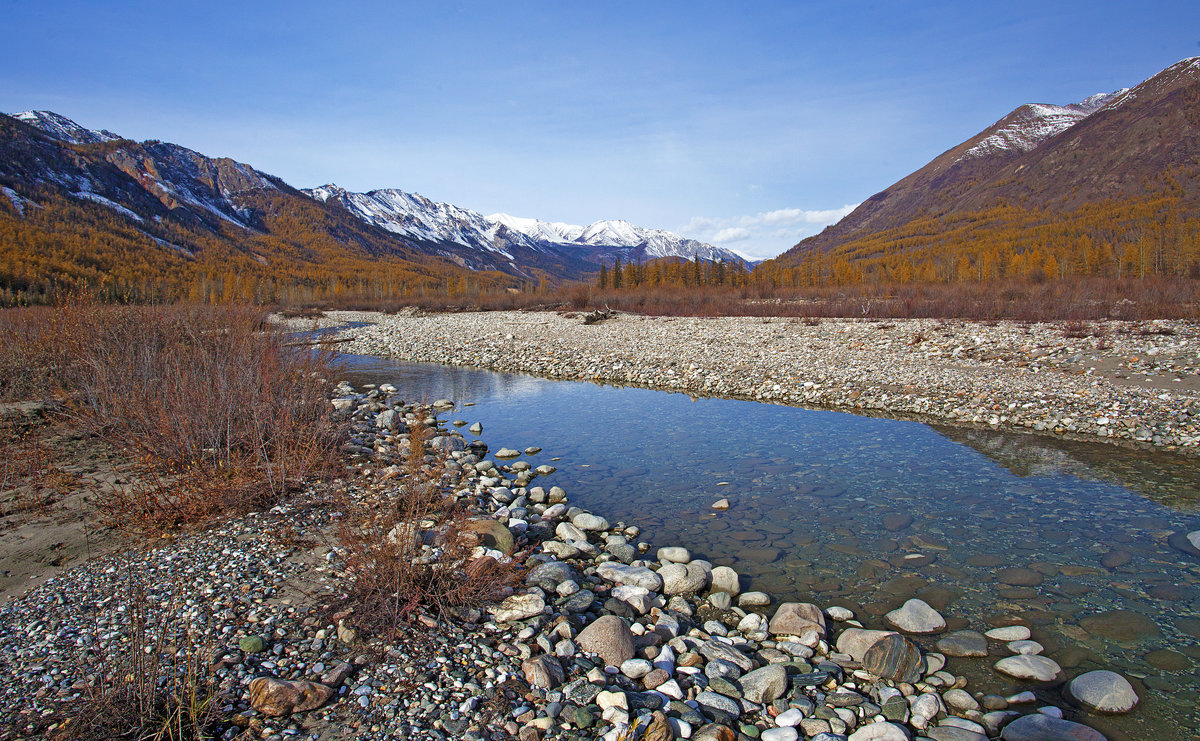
(1029, 153)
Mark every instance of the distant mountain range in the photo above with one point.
(1052, 158)
(513, 244)
(152, 181)
(1105, 186)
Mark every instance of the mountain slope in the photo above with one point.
(1043, 158)
(85, 209)
(516, 244)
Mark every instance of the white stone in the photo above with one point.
(1039, 668)
(789, 718)
(1009, 633)
(639, 598)
(780, 734)
(1025, 647)
(674, 554)
(636, 668)
(916, 616)
(1104, 692)
(880, 732)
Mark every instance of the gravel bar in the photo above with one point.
(1125, 382)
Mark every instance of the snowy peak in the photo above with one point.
(516, 239)
(63, 128)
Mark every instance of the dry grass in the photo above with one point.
(405, 547)
(157, 684)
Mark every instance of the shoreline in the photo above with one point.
(712, 660)
(1134, 384)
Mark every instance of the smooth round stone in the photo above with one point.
(588, 521)
(636, 668)
(1103, 691)
(916, 616)
(754, 599)
(1025, 647)
(840, 614)
(789, 718)
(1009, 633)
(780, 734)
(963, 643)
(1038, 727)
(674, 554)
(1038, 668)
(880, 732)
(720, 600)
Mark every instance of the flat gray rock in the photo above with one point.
(1038, 727)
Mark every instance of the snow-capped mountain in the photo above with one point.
(520, 242)
(175, 176)
(1106, 147)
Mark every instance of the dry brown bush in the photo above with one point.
(406, 549)
(217, 411)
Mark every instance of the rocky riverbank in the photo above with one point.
(603, 638)
(1129, 382)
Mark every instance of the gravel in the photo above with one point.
(1133, 382)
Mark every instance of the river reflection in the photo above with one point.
(988, 527)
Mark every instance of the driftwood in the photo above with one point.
(318, 342)
(598, 315)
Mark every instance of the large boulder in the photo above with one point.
(1103, 691)
(608, 637)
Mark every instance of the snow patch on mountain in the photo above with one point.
(97, 198)
(1030, 125)
(64, 129)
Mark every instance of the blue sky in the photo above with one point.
(747, 124)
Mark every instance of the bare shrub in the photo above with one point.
(218, 412)
(406, 547)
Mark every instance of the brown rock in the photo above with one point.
(793, 618)
(894, 657)
(543, 671)
(492, 534)
(658, 729)
(655, 678)
(609, 637)
(714, 732)
(1019, 577)
(1124, 626)
(275, 697)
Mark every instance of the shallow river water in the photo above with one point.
(990, 528)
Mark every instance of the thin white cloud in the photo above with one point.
(731, 234)
(766, 233)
